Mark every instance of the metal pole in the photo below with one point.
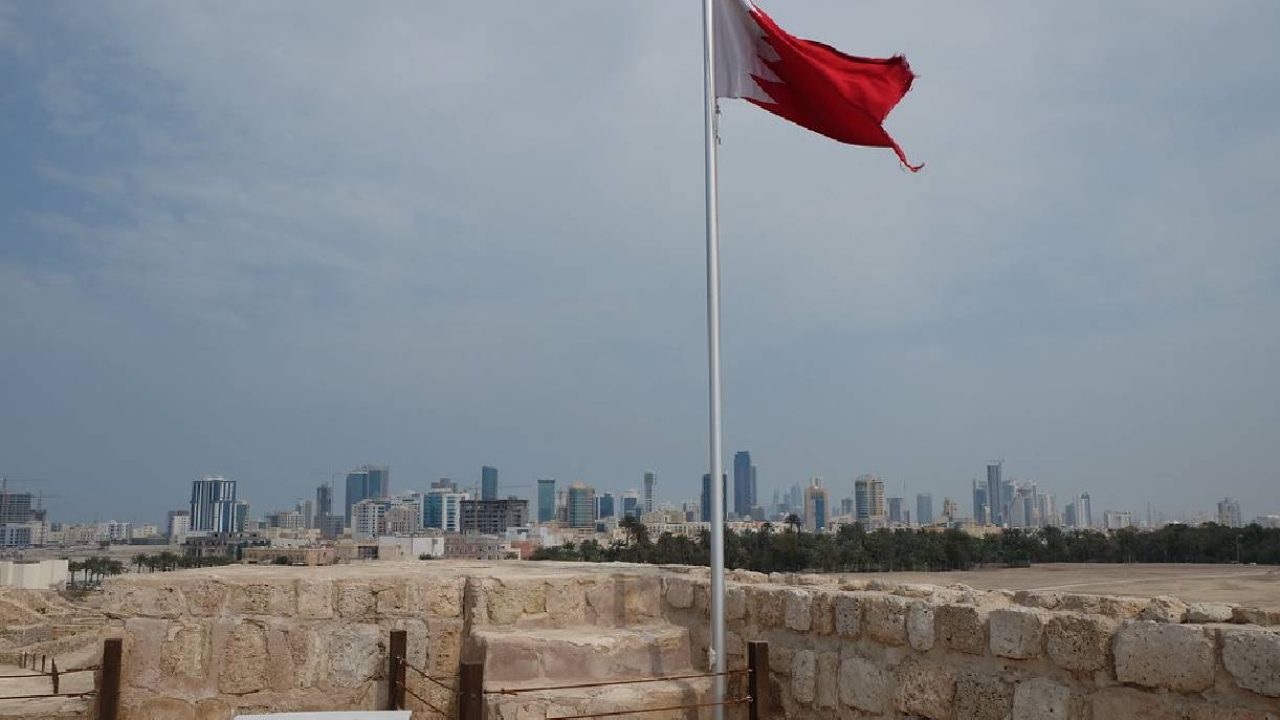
(713, 357)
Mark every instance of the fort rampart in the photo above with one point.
(210, 643)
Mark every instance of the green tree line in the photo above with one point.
(852, 549)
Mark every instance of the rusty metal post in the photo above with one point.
(109, 687)
(55, 676)
(471, 692)
(396, 670)
(43, 662)
(758, 680)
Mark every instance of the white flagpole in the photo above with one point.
(713, 361)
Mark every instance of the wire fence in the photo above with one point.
(106, 686)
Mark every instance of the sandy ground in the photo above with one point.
(1251, 585)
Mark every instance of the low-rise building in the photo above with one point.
(314, 555)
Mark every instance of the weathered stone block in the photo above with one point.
(1016, 633)
(641, 597)
(163, 708)
(244, 660)
(925, 689)
(355, 655)
(1042, 699)
(799, 610)
(920, 630)
(828, 681)
(962, 628)
(566, 601)
(1165, 609)
(1217, 712)
(824, 622)
(1120, 703)
(735, 604)
(205, 598)
(885, 619)
(1157, 655)
(160, 601)
(848, 615)
(186, 653)
(804, 676)
(767, 605)
(679, 592)
(315, 599)
(1080, 643)
(983, 697)
(262, 599)
(356, 600)
(1252, 656)
(864, 685)
(1111, 606)
(1255, 616)
(443, 597)
(1045, 599)
(1208, 613)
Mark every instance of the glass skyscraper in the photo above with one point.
(996, 500)
(742, 495)
(582, 506)
(650, 479)
(213, 505)
(488, 483)
(364, 483)
(546, 500)
(706, 495)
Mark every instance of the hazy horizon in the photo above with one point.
(275, 241)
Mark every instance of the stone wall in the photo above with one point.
(843, 649)
(211, 643)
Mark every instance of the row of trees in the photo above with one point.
(852, 549)
(166, 561)
(93, 570)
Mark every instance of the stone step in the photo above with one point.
(531, 658)
(550, 704)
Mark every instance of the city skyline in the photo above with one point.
(223, 252)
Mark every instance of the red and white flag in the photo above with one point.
(813, 85)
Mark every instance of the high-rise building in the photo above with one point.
(366, 517)
(1229, 513)
(581, 506)
(179, 526)
(241, 516)
(546, 500)
(705, 510)
(488, 483)
(846, 506)
(213, 505)
(755, 492)
(896, 506)
(742, 500)
(1084, 511)
(650, 481)
(493, 517)
(442, 509)
(996, 500)
(1117, 519)
(631, 505)
(924, 509)
(815, 506)
(981, 505)
(604, 505)
(949, 509)
(868, 496)
(324, 504)
(1069, 515)
(367, 482)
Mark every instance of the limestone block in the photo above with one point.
(864, 685)
(244, 660)
(1252, 656)
(1121, 703)
(799, 609)
(735, 604)
(847, 608)
(768, 608)
(213, 709)
(307, 649)
(160, 601)
(983, 697)
(163, 708)
(828, 685)
(1044, 599)
(925, 689)
(356, 600)
(1111, 606)
(262, 599)
(1157, 655)
(824, 622)
(445, 645)
(1217, 712)
(679, 592)
(1255, 616)
(186, 653)
(504, 603)
(1043, 699)
(1209, 613)
(804, 676)
(442, 597)
(205, 598)
(397, 600)
(144, 640)
(642, 598)
(566, 601)
(920, 630)
(355, 655)
(962, 628)
(1016, 633)
(315, 599)
(1080, 643)
(885, 619)
(1165, 609)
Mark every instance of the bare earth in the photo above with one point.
(1249, 585)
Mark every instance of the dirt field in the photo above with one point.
(1251, 585)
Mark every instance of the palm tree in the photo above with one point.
(794, 522)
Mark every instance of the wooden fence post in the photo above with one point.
(471, 692)
(109, 687)
(758, 680)
(396, 670)
(55, 676)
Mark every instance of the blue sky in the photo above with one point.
(279, 240)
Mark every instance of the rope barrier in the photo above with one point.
(426, 702)
(620, 713)
(518, 691)
(6, 677)
(47, 695)
(428, 678)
